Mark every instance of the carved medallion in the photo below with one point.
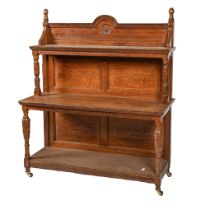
(105, 29)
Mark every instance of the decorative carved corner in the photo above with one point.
(46, 36)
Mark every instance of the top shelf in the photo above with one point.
(99, 50)
(106, 37)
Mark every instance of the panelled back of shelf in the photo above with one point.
(103, 76)
(105, 31)
(119, 77)
(136, 78)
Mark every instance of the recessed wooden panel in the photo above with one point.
(77, 128)
(131, 133)
(106, 33)
(140, 76)
(76, 73)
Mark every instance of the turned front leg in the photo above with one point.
(37, 90)
(26, 132)
(158, 153)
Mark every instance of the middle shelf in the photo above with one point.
(98, 104)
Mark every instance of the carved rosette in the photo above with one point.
(105, 29)
(105, 24)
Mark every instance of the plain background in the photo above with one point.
(21, 26)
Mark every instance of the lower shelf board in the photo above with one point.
(96, 163)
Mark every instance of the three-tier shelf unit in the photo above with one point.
(106, 99)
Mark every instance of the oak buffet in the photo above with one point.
(106, 99)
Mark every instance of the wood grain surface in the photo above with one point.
(101, 104)
(106, 98)
(96, 163)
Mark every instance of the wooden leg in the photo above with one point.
(26, 132)
(167, 141)
(168, 124)
(158, 152)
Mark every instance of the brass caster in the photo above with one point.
(29, 174)
(169, 174)
(160, 192)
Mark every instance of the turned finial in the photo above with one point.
(171, 13)
(46, 19)
(170, 34)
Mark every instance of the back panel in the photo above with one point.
(136, 78)
(137, 35)
(100, 76)
(105, 31)
(131, 78)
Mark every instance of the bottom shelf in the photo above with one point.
(96, 163)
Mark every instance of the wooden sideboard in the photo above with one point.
(106, 99)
